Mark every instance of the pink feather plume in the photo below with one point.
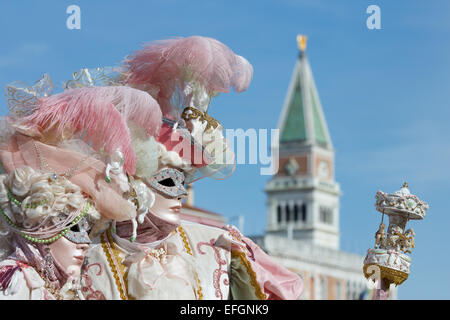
(99, 115)
(163, 64)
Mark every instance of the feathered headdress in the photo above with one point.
(99, 116)
(164, 66)
(183, 74)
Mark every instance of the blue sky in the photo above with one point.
(385, 94)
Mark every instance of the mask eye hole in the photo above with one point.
(75, 228)
(167, 182)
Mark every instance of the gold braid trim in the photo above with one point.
(241, 255)
(199, 291)
(112, 256)
(185, 241)
(123, 273)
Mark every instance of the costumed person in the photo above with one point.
(80, 135)
(169, 258)
(44, 225)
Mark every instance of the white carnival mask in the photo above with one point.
(169, 182)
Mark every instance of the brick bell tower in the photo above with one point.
(303, 198)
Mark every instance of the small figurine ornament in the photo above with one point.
(387, 262)
(380, 236)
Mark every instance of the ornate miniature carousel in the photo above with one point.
(388, 262)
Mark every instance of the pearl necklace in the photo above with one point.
(54, 175)
(49, 240)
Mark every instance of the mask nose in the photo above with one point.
(183, 194)
(181, 197)
(83, 246)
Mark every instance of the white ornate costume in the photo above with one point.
(200, 262)
(23, 282)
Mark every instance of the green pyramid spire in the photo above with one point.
(302, 119)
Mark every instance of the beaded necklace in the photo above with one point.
(28, 205)
(49, 240)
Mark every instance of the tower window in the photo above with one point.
(279, 213)
(288, 213)
(295, 212)
(326, 215)
(303, 209)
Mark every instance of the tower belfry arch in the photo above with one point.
(303, 197)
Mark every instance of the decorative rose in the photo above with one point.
(20, 181)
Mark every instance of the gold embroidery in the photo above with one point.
(259, 293)
(388, 275)
(199, 291)
(202, 116)
(117, 268)
(123, 272)
(185, 241)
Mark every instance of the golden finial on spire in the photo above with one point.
(301, 41)
(405, 185)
